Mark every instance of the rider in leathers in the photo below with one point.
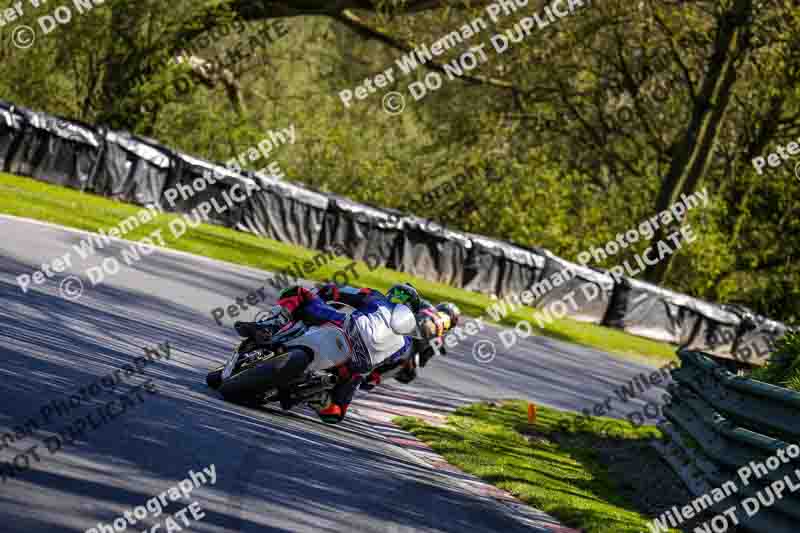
(372, 339)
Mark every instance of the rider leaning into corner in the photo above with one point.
(368, 328)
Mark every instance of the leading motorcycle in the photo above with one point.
(296, 365)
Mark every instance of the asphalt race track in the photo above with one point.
(275, 471)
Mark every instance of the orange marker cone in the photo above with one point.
(531, 413)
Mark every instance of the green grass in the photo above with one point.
(26, 197)
(564, 479)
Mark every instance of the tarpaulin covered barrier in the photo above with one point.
(519, 270)
(496, 267)
(755, 337)
(715, 337)
(140, 170)
(56, 151)
(430, 251)
(287, 213)
(586, 293)
(10, 133)
(650, 311)
(482, 271)
(365, 233)
(217, 193)
(133, 169)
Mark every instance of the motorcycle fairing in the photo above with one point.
(328, 343)
(231, 364)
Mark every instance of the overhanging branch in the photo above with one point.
(355, 23)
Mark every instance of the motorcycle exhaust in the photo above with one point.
(319, 380)
(313, 387)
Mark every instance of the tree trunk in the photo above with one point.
(693, 153)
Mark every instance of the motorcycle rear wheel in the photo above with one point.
(264, 376)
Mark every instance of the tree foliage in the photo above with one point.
(569, 137)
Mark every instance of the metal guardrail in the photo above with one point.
(718, 422)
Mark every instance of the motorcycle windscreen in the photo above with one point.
(329, 344)
(229, 366)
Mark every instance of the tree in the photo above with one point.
(692, 155)
(573, 134)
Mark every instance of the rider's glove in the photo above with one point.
(277, 317)
(277, 314)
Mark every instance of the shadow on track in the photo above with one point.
(275, 472)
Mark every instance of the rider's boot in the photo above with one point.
(341, 396)
(333, 414)
(264, 329)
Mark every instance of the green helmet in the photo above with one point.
(404, 294)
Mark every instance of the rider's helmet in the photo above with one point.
(405, 294)
(452, 311)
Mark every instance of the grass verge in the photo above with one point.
(553, 465)
(26, 197)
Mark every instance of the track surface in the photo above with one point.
(275, 471)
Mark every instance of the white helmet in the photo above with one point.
(403, 321)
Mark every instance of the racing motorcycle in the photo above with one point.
(298, 364)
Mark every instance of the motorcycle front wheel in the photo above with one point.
(214, 377)
(264, 376)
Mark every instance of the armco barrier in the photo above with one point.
(136, 169)
(718, 422)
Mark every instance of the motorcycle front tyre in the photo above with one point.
(270, 374)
